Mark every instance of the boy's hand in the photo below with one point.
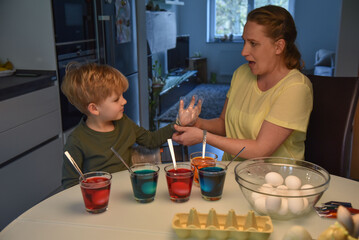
(188, 116)
(187, 136)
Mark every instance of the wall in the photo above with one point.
(317, 24)
(27, 37)
(318, 27)
(347, 59)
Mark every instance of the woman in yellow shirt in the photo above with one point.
(268, 105)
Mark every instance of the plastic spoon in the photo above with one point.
(170, 145)
(235, 156)
(75, 165)
(204, 143)
(119, 157)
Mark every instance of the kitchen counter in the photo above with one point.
(30, 141)
(25, 81)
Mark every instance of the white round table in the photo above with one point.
(63, 215)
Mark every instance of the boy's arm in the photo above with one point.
(153, 139)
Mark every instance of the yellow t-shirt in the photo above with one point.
(287, 104)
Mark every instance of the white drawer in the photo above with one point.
(29, 179)
(19, 110)
(28, 135)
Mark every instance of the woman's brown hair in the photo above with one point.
(280, 25)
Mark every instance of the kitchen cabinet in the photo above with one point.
(30, 143)
(30, 123)
(200, 65)
(175, 88)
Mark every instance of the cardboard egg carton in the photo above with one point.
(222, 226)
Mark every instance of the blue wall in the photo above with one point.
(318, 27)
(317, 24)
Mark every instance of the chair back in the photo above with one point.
(330, 129)
(142, 154)
(180, 151)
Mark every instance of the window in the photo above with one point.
(226, 18)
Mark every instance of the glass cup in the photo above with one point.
(198, 162)
(96, 191)
(212, 181)
(144, 181)
(179, 181)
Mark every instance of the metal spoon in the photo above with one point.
(235, 157)
(119, 157)
(170, 145)
(204, 142)
(75, 165)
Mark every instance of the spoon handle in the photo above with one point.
(119, 157)
(74, 164)
(236, 156)
(173, 156)
(204, 142)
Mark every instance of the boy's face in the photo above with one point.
(112, 108)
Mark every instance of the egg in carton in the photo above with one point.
(222, 226)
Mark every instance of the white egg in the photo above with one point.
(293, 193)
(306, 186)
(284, 207)
(345, 218)
(295, 205)
(308, 192)
(297, 232)
(293, 182)
(274, 179)
(260, 205)
(267, 188)
(282, 190)
(305, 204)
(256, 195)
(356, 225)
(273, 204)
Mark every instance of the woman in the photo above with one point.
(268, 105)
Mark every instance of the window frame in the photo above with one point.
(213, 38)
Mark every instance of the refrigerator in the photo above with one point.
(119, 31)
(101, 31)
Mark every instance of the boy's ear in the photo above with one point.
(92, 108)
(280, 45)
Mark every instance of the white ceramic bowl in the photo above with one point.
(274, 201)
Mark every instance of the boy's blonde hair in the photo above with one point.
(91, 83)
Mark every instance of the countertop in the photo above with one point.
(25, 81)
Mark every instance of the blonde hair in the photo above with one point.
(91, 83)
(279, 25)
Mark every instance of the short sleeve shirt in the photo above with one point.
(287, 104)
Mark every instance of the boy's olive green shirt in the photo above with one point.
(91, 149)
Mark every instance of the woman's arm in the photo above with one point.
(270, 137)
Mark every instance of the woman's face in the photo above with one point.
(259, 50)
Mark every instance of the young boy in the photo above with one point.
(96, 90)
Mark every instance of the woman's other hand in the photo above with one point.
(189, 116)
(187, 136)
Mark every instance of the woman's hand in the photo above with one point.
(187, 136)
(189, 116)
